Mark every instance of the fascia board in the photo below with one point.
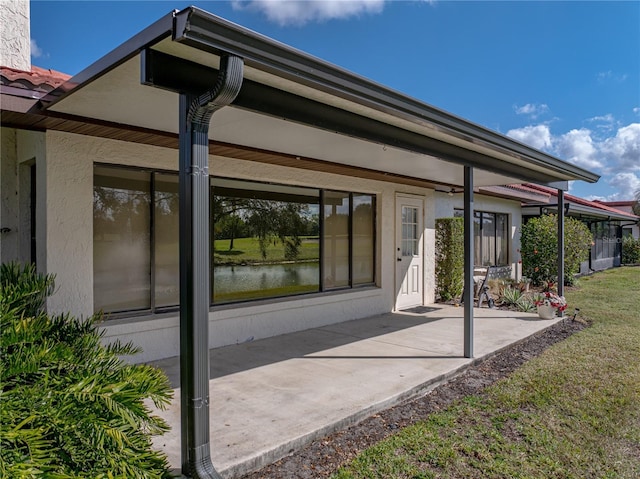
(151, 35)
(206, 31)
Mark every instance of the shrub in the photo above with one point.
(539, 248)
(70, 406)
(449, 257)
(511, 296)
(630, 250)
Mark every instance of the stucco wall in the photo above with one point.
(68, 186)
(65, 179)
(15, 42)
(8, 196)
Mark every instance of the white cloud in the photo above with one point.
(538, 136)
(626, 184)
(614, 155)
(36, 51)
(577, 147)
(623, 150)
(606, 118)
(636, 110)
(610, 76)
(300, 12)
(533, 110)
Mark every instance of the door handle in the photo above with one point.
(399, 259)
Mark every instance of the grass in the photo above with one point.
(572, 412)
(247, 251)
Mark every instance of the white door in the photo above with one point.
(409, 242)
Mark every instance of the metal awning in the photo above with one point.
(578, 210)
(296, 104)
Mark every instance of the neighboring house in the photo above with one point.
(343, 175)
(605, 222)
(499, 211)
(629, 228)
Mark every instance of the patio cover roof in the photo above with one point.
(294, 104)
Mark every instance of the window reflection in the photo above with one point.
(336, 239)
(166, 236)
(266, 240)
(121, 239)
(363, 239)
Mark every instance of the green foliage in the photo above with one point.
(69, 406)
(513, 296)
(630, 250)
(449, 257)
(539, 248)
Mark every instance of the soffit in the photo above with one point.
(116, 95)
(119, 97)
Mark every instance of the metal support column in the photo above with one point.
(469, 286)
(195, 115)
(561, 242)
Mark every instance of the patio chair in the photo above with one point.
(481, 287)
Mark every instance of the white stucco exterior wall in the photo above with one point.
(67, 203)
(31, 147)
(15, 30)
(67, 198)
(9, 218)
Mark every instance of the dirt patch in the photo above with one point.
(324, 456)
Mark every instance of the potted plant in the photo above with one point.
(549, 303)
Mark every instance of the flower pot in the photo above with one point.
(546, 312)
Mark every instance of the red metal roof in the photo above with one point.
(617, 203)
(38, 79)
(580, 201)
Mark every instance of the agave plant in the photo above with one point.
(69, 406)
(511, 296)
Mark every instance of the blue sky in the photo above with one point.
(563, 77)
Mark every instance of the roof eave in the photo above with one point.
(207, 32)
(155, 32)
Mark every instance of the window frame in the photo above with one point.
(478, 217)
(154, 309)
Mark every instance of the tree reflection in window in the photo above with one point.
(266, 240)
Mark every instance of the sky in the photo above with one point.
(563, 77)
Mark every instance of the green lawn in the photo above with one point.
(247, 250)
(573, 412)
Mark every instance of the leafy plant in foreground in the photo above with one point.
(69, 406)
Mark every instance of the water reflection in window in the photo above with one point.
(266, 240)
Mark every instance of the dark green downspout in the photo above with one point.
(195, 115)
(469, 286)
(561, 242)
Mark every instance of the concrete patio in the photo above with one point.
(272, 396)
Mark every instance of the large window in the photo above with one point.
(490, 237)
(267, 240)
(135, 239)
(606, 243)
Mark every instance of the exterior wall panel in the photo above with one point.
(69, 239)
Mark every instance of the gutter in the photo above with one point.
(208, 32)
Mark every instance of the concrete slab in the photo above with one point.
(273, 396)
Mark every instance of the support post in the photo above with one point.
(469, 286)
(561, 242)
(195, 114)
